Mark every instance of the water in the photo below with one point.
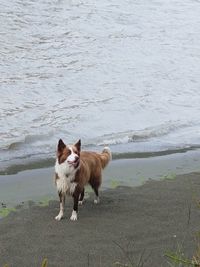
(118, 73)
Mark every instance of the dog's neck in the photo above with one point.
(64, 171)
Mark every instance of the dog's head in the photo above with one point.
(69, 154)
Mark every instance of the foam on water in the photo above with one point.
(119, 73)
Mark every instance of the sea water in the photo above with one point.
(117, 73)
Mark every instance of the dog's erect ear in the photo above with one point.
(78, 145)
(61, 146)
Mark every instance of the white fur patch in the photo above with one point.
(73, 216)
(64, 169)
(72, 156)
(66, 174)
(97, 200)
(62, 184)
(72, 188)
(61, 213)
(60, 216)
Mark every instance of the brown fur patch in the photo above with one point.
(91, 165)
(64, 155)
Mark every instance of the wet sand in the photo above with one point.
(129, 222)
(38, 184)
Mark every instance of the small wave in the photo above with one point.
(28, 140)
(140, 135)
(158, 131)
(14, 145)
(160, 140)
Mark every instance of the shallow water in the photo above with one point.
(38, 184)
(119, 73)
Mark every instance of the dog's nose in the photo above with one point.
(76, 158)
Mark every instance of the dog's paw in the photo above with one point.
(73, 216)
(59, 217)
(97, 200)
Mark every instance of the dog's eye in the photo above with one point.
(76, 152)
(68, 152)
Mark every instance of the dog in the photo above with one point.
(74, 169)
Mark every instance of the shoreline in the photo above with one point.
(147, 220)
(38, 184)
(25, 164)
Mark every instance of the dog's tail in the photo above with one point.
(105, 157)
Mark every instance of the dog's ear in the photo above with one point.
(78, 145)
(61, 146)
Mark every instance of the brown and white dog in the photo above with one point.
(74, 169)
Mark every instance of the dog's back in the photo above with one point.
(91, 165)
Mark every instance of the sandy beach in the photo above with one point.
(129, 223)
(117, 74)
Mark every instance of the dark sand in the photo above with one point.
(149, 219)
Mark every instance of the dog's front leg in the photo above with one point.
(76, 195)
(62, 206)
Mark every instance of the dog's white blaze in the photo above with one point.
(72, 156)
(73, 216)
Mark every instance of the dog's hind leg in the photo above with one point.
(82, 197)
(95, 184)
(96, 191)
(62, 206)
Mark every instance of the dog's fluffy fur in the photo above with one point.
(74, 169)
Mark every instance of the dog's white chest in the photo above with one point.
(64, 185)
(65, 182)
